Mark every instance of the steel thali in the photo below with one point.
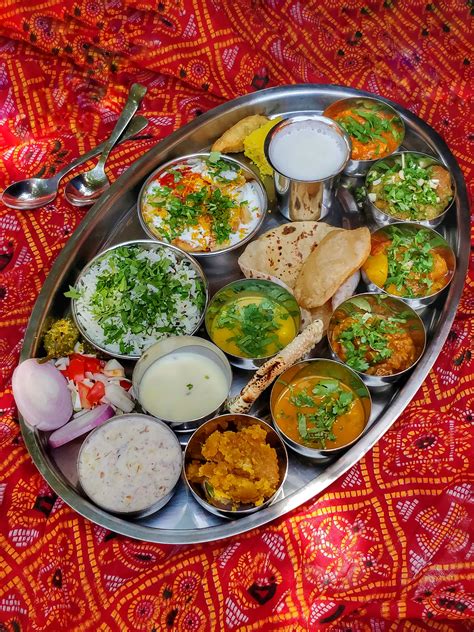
(113, 219)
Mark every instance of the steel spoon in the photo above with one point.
(35, 192)
(87, 187)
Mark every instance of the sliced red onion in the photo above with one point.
(80, 425)
(346, 290)
(41, 394)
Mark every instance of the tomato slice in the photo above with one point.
(76, 369)
(93, 365)
(167, 180)
(83, 391)
(96, 393)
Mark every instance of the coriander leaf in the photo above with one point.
(214, 156)
(72, 293)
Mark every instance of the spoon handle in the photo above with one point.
(137, 124)
(136, 94)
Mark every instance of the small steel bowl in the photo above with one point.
(147, 244)
(382, 218)
(180, 344)
(299, 199)
(322, 368)
(250, 175)
(229, 292)
(360, 167)
(131, 419)
(438, 241)
(232, 423)
(365, 303)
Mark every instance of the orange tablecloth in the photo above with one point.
(388, 546)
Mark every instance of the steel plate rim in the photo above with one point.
(339, 467)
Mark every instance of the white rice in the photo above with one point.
(185, 320)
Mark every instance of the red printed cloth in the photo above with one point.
(388, 547)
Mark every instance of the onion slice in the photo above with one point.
(41, 394)
(118, 396)
(80, 425)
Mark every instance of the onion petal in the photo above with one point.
(119, 397)
(80, 425)
(41, 394)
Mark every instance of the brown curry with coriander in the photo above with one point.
(375, 340)
(319, 412)
(410, 186)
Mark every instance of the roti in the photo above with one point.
(279, 254)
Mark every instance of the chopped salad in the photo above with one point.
(202, 204)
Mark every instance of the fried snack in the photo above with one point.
(232, 141)
(280, 253)
(264, 376)
(335, 259)
(240, 467)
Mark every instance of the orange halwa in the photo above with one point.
(240, 467)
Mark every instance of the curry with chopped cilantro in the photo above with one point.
(410, 186)
(374, 339)
(375, 132)
(409, 262)
(253, 326)
(252, 318)
(202, 204)
(319, 412)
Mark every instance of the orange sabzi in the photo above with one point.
(407, 266)
(374, 132)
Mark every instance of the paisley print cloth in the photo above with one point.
(388, 546)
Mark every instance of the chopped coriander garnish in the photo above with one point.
(177, 175)
(139, 293)
(206, 377)
(365, 341)
(217, 165)
(372, 127)
(360, 195)
(189, 386)
(410, 261)
(72, 293)
(329, 401)
(256, 327)
(408, 188)
(194, 198)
